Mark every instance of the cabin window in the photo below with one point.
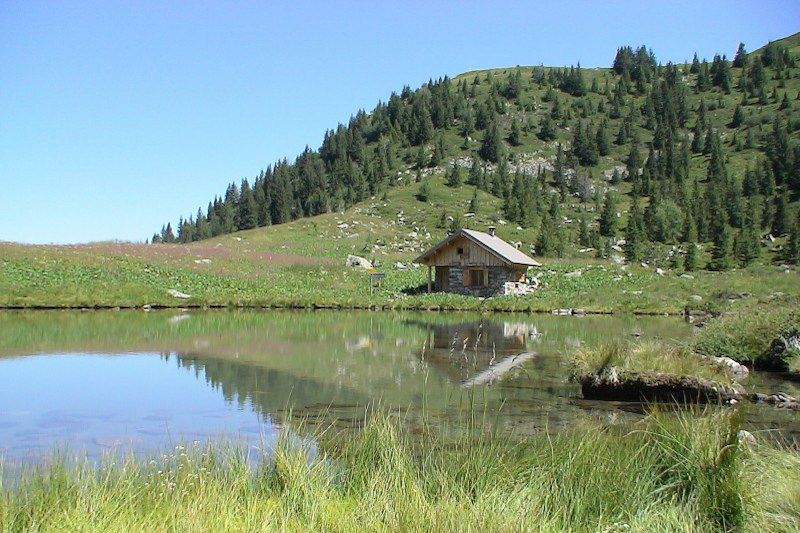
(477, 277)
(460, 251)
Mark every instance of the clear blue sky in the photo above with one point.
(117, 117)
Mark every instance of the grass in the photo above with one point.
(646, 357)
(745, 335)
(684, 472)
(301, 264)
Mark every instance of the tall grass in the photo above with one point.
(644, 357)
(670, 472)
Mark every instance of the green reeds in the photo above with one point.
(685, 471)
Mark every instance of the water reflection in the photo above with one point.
(147, 380)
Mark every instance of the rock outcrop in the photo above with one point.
(614, 384)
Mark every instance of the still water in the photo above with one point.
(94, 382)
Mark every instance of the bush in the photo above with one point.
(746, 336)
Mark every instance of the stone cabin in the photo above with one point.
(475, 264)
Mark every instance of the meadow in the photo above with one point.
(302, 264)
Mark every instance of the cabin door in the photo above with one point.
(442, 278)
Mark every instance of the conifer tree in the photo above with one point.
(691, 259)
(740, 59)
(695, 68)
(167, 235)
(738, 117)
(601, 139)
(473, 203)
(515, 137)
(454, 176)
(780, 224)
(248, 215)
(608, 217)
(635, 233)
(722, 251)
(547, 130)
(492, 146)
(793, 242)
(423, 191)
(475, 174)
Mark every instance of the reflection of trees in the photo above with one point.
(266, 389)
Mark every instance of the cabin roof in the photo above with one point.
(494, 245)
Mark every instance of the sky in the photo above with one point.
(116, 117)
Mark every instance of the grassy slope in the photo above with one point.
(301, 263)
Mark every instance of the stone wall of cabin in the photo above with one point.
(497, 277)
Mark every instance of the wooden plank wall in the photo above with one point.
(473, 255)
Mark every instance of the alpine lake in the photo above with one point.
(100, 382)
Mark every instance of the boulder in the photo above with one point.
(575, 274)
(355, 261)
(780, 400)
(735, 371)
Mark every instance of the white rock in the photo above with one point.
(660, 271)
(202, 261)
(178, 294)
(575, 274)
(355, 261)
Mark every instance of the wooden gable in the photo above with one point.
(461, 252)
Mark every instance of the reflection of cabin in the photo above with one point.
(475, 263)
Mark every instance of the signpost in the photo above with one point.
(375, 278)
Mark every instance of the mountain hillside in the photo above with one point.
(641, 158)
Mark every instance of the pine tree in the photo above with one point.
(601, 139)
(475, 174)
(691, 260)
(515, 137)
(738, 117)
(424, 191)
(473, 203)
(248, 215)
(608, 217)
(793, 242)
(454, 176)
(722, 251)
(748, 241)
(780, 224)
(167, 235)
(492, 146)
(635, 233)
(695, 68)
(547, 130)
(740, 59)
